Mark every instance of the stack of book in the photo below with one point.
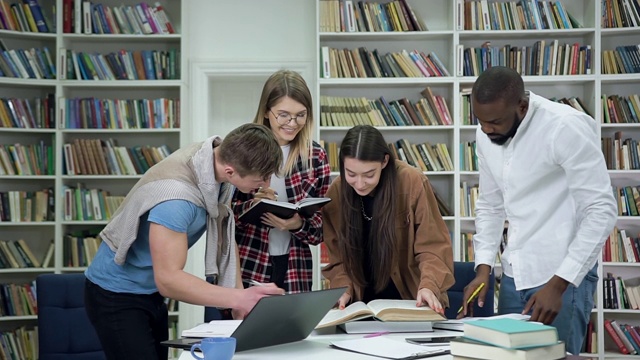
(507, 339)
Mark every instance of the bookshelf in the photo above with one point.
(111, 98)
(446, 35)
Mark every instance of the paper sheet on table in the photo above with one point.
(457, 325)
(389, 348)
(215, 328)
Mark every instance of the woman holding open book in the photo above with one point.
(277, 250)
(385, 235)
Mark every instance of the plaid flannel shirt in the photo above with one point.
(253, 241)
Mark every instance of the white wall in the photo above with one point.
(245, 31)
(242, 34)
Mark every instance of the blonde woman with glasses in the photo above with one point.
(278, 250)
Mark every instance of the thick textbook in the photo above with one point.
(510, 333)
(383, 310)
(477, 350)
(305, 207)
(373, 326)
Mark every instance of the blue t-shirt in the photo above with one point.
(136, 274)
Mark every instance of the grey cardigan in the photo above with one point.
(187, 174)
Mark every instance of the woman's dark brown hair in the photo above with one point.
(366, 143)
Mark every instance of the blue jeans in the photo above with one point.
(572, 320)
(130, 326)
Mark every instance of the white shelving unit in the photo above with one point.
(443, 37)
(39, 234)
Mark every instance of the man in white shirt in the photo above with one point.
(542, 170)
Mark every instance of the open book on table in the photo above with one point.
(305, 207)
(382, 310)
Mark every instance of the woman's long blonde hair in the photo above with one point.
(289, 83)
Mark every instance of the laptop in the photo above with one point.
(278, 320)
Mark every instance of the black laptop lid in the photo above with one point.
(283, 319)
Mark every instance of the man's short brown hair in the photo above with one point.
(251, 149)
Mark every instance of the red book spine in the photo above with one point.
(634, 334)
(607, 325)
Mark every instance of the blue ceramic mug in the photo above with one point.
(215, 348)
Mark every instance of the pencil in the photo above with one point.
(473, 296)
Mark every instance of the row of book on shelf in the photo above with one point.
(82, 204)
(467, 251)
(468, 197)
(628, 200)
(93, 113)
(18, 300)
(21, 343)
(32, 159)
(34, 63)
(37, 113)
(468, 156)
(620, 13)
(541, 58)
(621, 293)
(26, 16)
(79, 250)
(105, 157)
(429, 110)
(626, 337)
(27, 206)
(624, 59)
(425, 156)
(621, 248)
(121, 65)
(619, 153)
(362, 63)
(620, 109)
(365, 16)
(86, 17)
(17, 254)
(514, 15)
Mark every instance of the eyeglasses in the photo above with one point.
(286, 118)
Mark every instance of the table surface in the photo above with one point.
(316, 347)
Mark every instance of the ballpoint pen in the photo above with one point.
(256, 283)
(473, 296)
(376, 334)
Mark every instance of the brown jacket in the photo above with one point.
(423, 257)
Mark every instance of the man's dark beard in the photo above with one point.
(501, 139)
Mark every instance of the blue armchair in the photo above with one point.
(64, 330)
(464, 273)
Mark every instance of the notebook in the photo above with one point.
(387, 348)
(274, 320)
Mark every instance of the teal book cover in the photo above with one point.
(511, 326)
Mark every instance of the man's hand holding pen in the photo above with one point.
(482, 277)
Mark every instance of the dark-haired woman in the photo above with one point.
(385, 235)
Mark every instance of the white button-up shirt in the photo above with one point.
(551, 183)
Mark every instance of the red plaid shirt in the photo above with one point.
(253, 241)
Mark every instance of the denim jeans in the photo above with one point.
(572, 320)
(130, 326)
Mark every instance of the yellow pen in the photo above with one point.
(473, 296)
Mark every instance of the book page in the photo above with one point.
(311, 200)
(357, 310)
(402, 310)
(283, 204)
